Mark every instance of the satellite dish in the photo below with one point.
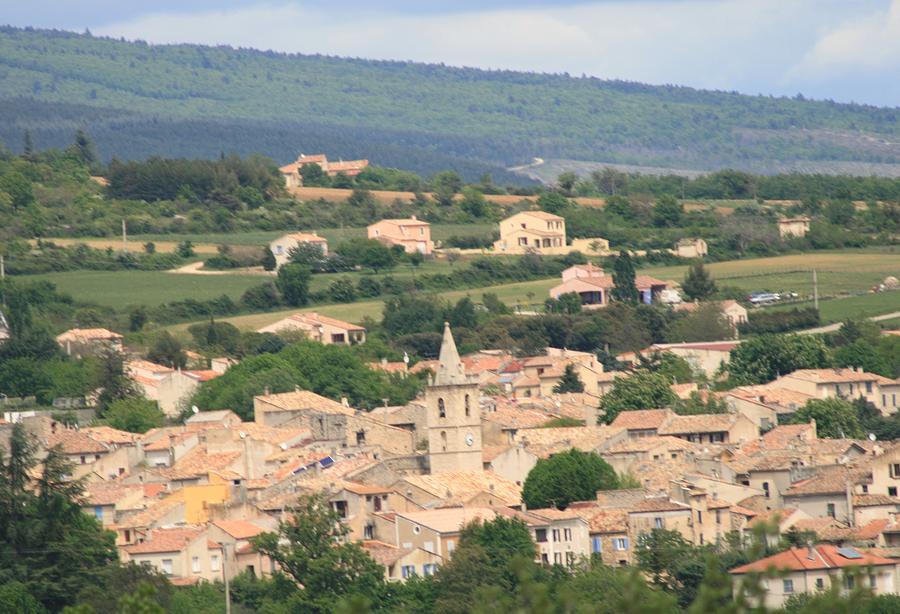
(195, 409)
(283, 446)
(872, 437)
(243, 435)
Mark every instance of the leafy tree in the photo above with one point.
(407, 314)
(624, 289)
(312, 175)
(445, 185)
(368, 253)
(569, 382)
(27, 146)
(697, 284)
(570, 303)
(311, 548)
(150, 247)
(14, 597)
(698, 403)
(111, 379)
(293, 283)
(705, 323)
(18, 187)
(185, 249)
(309, 255)
(762, 359)
(676, 369)
(463, 314)
(342, 290)
(473, 202)
(268, 259)
(667, 211)
(643, 390)
(840, 212)
(261, 297)
(493, 304)
(566, 181)
(167, 350)
(553, 202)
(566, 477)
(835, 418)
(134, 415)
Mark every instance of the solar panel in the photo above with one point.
(849, 553)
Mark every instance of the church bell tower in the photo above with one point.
(454, 416)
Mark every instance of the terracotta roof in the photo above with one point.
(828, 376)
(465, 484)
(540, 214)
(780, 437)
(203, 375)
(829, 480)
(303, 399)
(164, 540)
(449, 519)
(197, 462)
(305, 237)
(383, 553)
(642, 419)
(870, 500)
(239, 529)
(72, 441)
(603, 520)
(489, 453)
(511, 417)
(107, 434)
(152, 513)
(146, 365)
(544, 441)
(388, 367)
(550, 513)
(769, 516)
(402, 222)
(715, 346)
(80, 335)
(645, 444)
(366, 489)
(109, 493)
(216, 415)
(659, 504)
(821, 556)
(698, 423)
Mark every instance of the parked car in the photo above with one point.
(763, 298)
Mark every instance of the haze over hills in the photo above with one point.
(138, 100)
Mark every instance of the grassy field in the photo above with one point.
(840, 274)
(839, 309)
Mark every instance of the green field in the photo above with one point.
(439, 232)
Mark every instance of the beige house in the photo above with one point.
(293, 179)
(282, 246)
(711, 428)
(297, 407)
(595, 287)
(706, 357)
(437, 531)
(412, 234)
(886, 473)
(814, 569)
(235, 536)
(562, 536)
(81, 342)
(170, 388)
(179, 553)
(608, 529)
(532, 231)
(400, 564)
(691, 248)
(733, 312)
(793, 227)
(318, 327)
(847, 383)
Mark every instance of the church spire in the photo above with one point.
(450, 368)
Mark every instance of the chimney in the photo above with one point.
(171, 450)
(413, 217)
(345, 402)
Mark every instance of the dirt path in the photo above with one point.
(196, 268)
(830, 328)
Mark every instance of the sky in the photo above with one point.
(844, 50)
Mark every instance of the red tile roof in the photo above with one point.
(164, 540)
(822, 556)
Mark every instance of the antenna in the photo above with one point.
(243, 435)
(195, 409)
(872, 437)
(283, 446)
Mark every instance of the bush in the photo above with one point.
(566, 477)
(763, 322)
(260, 298)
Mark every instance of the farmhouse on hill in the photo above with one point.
(282, 246)
(412, 234)
(293, 179)
(537, 231)
(319, 328)
(793, 227)
(594, 286)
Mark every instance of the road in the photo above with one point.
(830, 328)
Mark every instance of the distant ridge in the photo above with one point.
(139, 100)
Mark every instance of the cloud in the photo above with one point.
(869, 43)
(745, 45)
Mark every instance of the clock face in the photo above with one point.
(470, 439)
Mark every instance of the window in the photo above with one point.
(214, 562)
(869, 387)
(865, 489)
(82, 459)
(98, 512)
(337, 338)
(718, 516)
(873, 582)
(849, 582)
(341, 508)
(570, 558)
(428, 569)
(166, 566)
(830, 509)
(596, 544)
(620, 543)
(408, 570)
(892, 491)
(567, 535)
(557, 558)
(540, 535)
(658, 522)
(195, 564)
(443, 441)
(895, 470)
(884, 399)
(820, 584)
(788, 586)
(429, 546)
(467, 405)
(699, 517)
(369, 532)
(360, 438)
(442, 409)
(556, 535)
(545, 559)
(523, 241)
(377, 503)
(451, 546)
(765, 486)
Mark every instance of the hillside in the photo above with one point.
(139, 100)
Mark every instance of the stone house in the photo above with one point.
(412, 234)
(318, 327)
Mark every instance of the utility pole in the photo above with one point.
(815, 290)
(124, 236)
(2, 267)
(225, 577)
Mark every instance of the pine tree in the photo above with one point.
(84, 148)
(28, 146)
(698, 285)
(268, 259)
(569, 382)
(624, 288)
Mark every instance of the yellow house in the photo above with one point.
(537, 231)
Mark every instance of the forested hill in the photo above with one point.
(187, 100)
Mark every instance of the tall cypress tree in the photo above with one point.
(28, 145)
(697, 284)
(625, 289)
